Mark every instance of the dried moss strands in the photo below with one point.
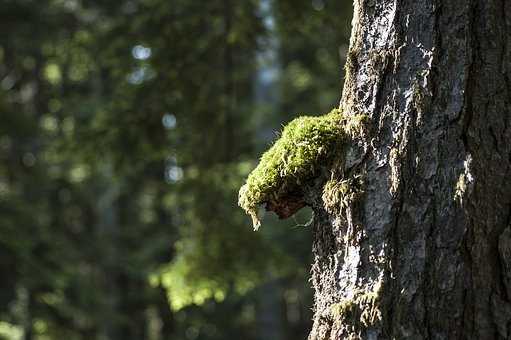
(362, 309)
(306, 144)
(340, 193)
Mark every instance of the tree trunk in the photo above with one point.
(422, 249)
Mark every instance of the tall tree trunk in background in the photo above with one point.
(108, 231)
(423, 252)
(269, 311)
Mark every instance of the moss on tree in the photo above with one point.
(306, 144)
(340, 193)
(362, 309)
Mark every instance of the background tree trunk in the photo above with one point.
(423, 250)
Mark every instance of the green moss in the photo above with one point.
(306, 144)
(339, 194)
(361, 311)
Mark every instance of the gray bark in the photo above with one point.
(423, 250)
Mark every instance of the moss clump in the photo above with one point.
(305, 144)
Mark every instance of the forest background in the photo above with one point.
(126, 129)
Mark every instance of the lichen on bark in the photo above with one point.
(339, 194)
(358, 312)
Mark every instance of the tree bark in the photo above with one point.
(422, 250)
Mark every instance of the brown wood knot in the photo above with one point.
(286, 206)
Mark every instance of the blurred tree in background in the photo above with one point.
(127, 127)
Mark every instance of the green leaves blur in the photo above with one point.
(126, 129)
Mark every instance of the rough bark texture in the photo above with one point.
(423, 249)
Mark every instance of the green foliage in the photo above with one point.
(211, 259)
(311, 77)
(10, 332)
(306, 145)
(119, 169)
